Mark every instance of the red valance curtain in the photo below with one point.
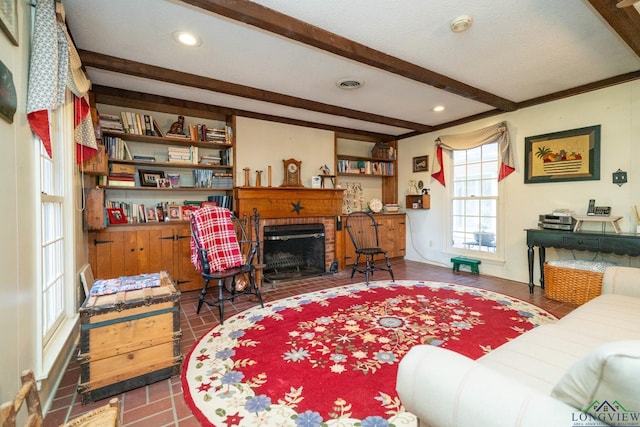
(497, 133)
(55, 67)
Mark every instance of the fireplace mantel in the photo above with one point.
(288, 202)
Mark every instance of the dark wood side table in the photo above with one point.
(619, 244)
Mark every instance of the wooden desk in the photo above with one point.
(617, 243)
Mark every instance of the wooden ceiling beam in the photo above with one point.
(286, 26)
(624, 21)
(144, 101)
(125, 66)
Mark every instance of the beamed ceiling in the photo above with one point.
(280, 60)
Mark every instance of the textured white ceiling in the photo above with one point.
(517, 50)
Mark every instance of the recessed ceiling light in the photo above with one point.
(349, 83)
(461, 23)
(438, 108)
(187, 39)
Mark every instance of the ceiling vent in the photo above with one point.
(461, 23)
(349, 83)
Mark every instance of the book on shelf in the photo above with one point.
(175, 135)
(148, 127)
(156, 128)
(111, 122)
(139, 158)
(117, 148)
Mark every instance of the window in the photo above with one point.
(474, 202)
(57, 292)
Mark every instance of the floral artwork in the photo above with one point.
(353, 198)
(330, 358)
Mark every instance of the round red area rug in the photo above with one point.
(330, 358)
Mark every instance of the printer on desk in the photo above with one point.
(556, 221)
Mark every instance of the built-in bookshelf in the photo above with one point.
(151, 170)
(365, 160)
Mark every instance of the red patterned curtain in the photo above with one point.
(55, 67)
(465, 141)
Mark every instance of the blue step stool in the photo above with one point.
(473, 263)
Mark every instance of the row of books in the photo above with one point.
(206, 178)
(202, 133)
(134, 123)
(365, 167)
(121, 175)
(117, 148)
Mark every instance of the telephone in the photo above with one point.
(598, 210)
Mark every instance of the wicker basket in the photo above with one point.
(567, 281)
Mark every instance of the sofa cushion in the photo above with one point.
(609, 373)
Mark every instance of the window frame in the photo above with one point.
(498, 254)
(51, 343)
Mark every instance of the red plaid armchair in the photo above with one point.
(223, 251)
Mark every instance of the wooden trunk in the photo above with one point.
(128, 340)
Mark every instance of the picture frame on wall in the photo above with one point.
(9, 19)
(421, 164)
(570, 155)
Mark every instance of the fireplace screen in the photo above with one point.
(293, 251)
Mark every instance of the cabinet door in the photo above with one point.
(392, 235)
(107, 254)
(155, 250)
(187, 277)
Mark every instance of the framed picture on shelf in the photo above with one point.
(421, 164)
(151, 214)
(163, 183)
(116, 216)
(187, 211)
(174, 213)
(150, 178)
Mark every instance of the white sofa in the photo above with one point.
(545, 377)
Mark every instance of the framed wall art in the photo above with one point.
(570, 155)
(421, 164)
(9, 19)
(8, 99)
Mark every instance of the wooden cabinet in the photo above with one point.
(391, 236)
(130, 250)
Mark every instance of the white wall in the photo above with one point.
(260, 144)
(18, 281)
(616, 109)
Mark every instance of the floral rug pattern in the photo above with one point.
(329, 358)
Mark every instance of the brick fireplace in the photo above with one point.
(294, 206)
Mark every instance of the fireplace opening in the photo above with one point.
(293, 251)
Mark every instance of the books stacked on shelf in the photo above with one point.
(365, 167)
(202, 133)
(209, 159)
(111, 122)
(182, 154)
(206, 178)
(222, 201)
(138, 124)
(176, 135)
(121, 175)
(117, 148)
